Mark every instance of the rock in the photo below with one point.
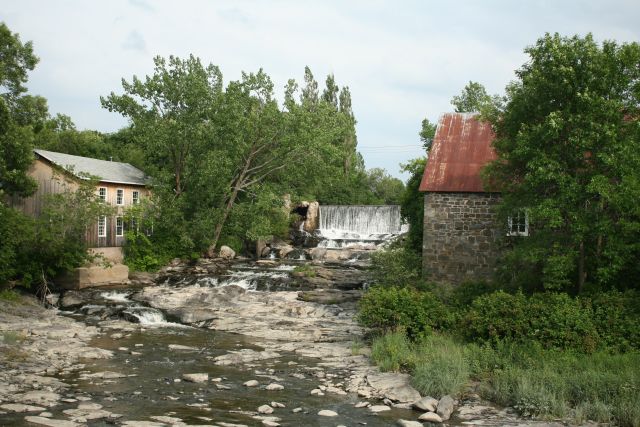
(405, 423)
(317, 392)
(42, 421)
(394, 386)
(265, 409)
(327, 413)
(445, 407)
(427, 404)
(296, 410)
(251, 383)
(277, 405)
(39, 397)
(362, 404)
(182, 347)
(244, 356)
(226, 253)
(431, 417)
(21, 407)
(196, 378)
(318, 254)
(379, 408)
(274, 387)
(270, 423)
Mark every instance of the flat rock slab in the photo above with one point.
(327, 413)
(243, 356)
(42, 421)
(39, 397)
(394, 386)
(406, 423)
(21, 407)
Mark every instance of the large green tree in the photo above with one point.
(568, 145)
(19, 114)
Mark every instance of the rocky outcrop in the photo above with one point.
(227, 253)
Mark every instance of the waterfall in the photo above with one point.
(361, 220)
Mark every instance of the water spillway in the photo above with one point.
(359, 221)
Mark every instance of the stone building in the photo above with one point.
(119, 184)
(461, 231)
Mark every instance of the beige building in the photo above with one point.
(120, 185)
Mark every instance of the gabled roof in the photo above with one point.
(461, 148)
(106, 171)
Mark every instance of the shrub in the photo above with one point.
(396, 267)
(617, 319)
(416, 312)
(140, 253)
(555, 320)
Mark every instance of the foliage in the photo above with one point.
(9, 295)
(617, 318)
(385, 189)
(554, 320)
(396, 267)
(393, 352)
(427, 132)
(392, 308)
(567, 154)
(412, 204)
(441, 367)
(19, 114)
(474, 98)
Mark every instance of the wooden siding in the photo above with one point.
(51, 181)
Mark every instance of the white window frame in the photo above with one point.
(510, 231)
(102, 223)
(120, 196)
(101, 196)
(119, 226)
(135, 197)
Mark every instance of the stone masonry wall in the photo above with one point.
(461, 236)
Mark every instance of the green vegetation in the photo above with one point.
(306, 270)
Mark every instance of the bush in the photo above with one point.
(396, 267)
(141, 254)
(390, 309)
(617, 319)
(555, 320)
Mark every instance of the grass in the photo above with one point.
(541, 383)
(306, 270)
(9, 295)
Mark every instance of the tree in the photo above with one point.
(412, 203)
(474, 98)
(567, 143)
(427, 133)
(384, 187)
(18, 112)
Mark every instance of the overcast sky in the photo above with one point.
(402, 60)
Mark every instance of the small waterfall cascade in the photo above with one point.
(359, 222)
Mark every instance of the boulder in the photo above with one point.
(427, 404)
(327, 413)
(317, 254)
(405, 423)
(394, 386)
(226, 253)
(265, 409)
(445, 407)
(431, 417)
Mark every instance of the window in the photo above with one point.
(102, 226)
(119, 196)
(119, 226)
(518, 224)
(102, 193)
(135, 197)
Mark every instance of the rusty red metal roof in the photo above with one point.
(461, 147)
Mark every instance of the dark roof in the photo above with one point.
(461, 147)
(106, 171)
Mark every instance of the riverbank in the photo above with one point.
(205, 355)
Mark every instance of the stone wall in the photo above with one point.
(461, 236)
